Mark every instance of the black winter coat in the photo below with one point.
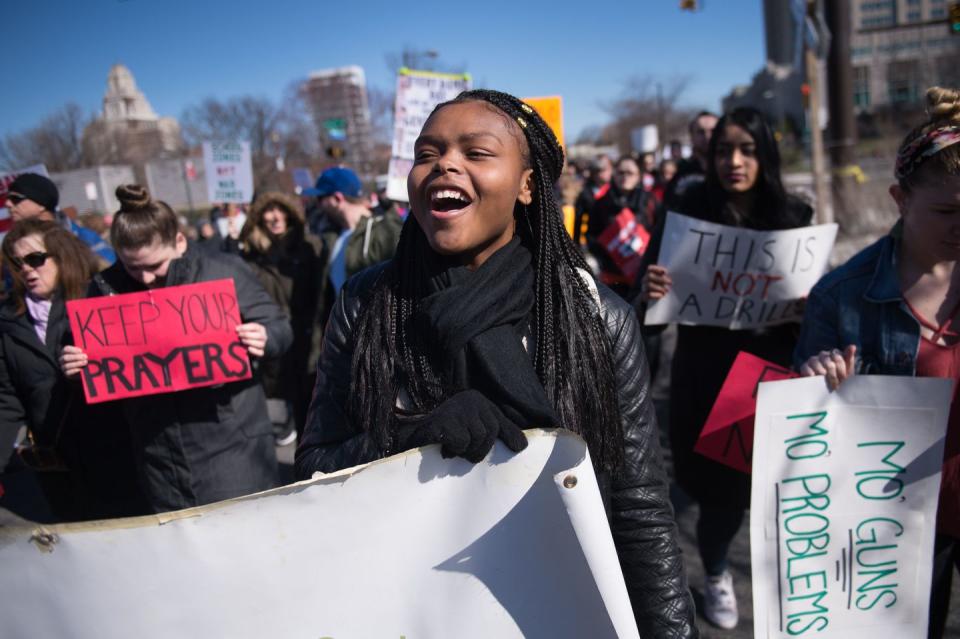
(33, 391)
(92, 441)
(641, 517)
(203, 445)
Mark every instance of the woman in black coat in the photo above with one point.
(81, 453)
(625, 192)
(196, 446)
(290, 262)
(485, 323)
(742, 189)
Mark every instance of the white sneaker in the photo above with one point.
(720, 602)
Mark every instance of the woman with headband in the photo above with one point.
(892, 309)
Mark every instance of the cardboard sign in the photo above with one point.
(418, 92)
(843, 507)
(5, 180)
(727, 437)
(229, 171)
(551, 110)
(420, 546)
(159, 341)
(625, 240)
(738, 278)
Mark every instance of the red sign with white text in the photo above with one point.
(625, 240)
(727, 437)
(159, 341)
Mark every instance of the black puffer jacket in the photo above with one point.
(197, 446)
(641, 516)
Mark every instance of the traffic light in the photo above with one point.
(688, 5)
(954, 18)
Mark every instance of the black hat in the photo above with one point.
(37, 188)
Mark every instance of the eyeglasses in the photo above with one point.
(33, 260)
(15, 198)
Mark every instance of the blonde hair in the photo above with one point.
(919, 158)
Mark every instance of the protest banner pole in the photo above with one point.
(824, 216)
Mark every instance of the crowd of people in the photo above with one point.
(471, 318)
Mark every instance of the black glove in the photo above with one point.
(466, 425)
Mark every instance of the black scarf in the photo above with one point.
(473, 323)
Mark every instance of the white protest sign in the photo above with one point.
(843, 505)
(738, 278)
(229, 171)
(418, 92)
(5, 180)
(414, 545)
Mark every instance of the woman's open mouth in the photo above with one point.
(446, 203)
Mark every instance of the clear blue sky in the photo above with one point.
(181, 51)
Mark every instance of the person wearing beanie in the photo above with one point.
(33, 196)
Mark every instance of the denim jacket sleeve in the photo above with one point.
(820, 329)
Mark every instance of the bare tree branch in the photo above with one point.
(56, 142)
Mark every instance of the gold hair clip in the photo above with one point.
(522, 123)
(526, 107)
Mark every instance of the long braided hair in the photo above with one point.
(572, 355)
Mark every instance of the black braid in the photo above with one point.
(572, 352)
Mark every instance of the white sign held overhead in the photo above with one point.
(414, 545)
(418, 92)
(229, 171)
(843, 507)
(645, 139)
(735, 277)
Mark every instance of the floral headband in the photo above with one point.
(924, 147)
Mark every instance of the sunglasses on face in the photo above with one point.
(14, 198)
(33, 260)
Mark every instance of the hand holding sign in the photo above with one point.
(656, 283)
(254, 337)
(72, 360)
(833, 365)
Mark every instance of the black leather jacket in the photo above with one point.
(641, 516)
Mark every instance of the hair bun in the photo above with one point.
(133, 197)
(944, 104)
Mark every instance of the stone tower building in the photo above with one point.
(128, 131)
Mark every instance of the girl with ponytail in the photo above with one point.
(893, 308)
(487, 322)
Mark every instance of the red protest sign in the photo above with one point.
(159, 341)
(625, 240)
(727, 437)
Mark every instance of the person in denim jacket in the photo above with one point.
(893, 308)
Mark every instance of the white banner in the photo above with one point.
(843, 506)
(412, 546)
(738, 278)
(418, 92)
(229, 171)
